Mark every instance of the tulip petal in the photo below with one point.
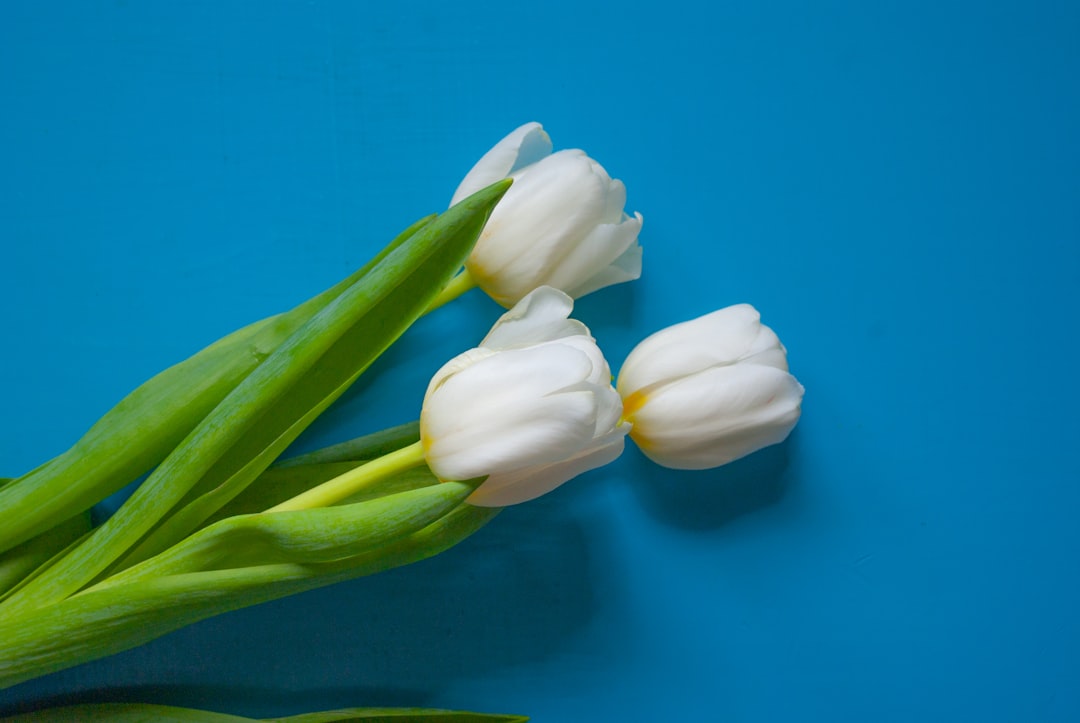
(528, 410)
(615, 198)
(550, 208)
(611, 254)
(599, 376)
(552, 205)
(530, 373)
(729, 336)
(719, 415)
(459, 363)
(609, 412)
(527, 484)
(562, 424)
(523, 396)
(545, 230)
(521, 147)
(540, 316)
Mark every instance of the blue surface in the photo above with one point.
(895, 185)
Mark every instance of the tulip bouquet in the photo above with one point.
(221, 521)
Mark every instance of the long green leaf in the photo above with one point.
(301, 537)
(266, 410)
(23, 559)
(140, 431)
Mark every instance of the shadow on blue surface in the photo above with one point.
(257, 701)
(613, 308)
(512, 594)
(708, 499)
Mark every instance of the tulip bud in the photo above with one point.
(530, 408)
(561, 224)
(708, 391)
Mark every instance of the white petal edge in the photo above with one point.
(616, 259)
(528, 484)
(727, 336)
(541, 315)
(521, 147)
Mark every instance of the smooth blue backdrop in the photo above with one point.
(895, 185)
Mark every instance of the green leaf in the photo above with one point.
(301, 537)
(21, 560)
(267, 410)
(145, 426)
(359, 449)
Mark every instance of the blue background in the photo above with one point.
(896, 186)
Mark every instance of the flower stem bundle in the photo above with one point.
(55, 617)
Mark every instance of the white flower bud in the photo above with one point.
(708, 391)
(561, 224)
(530, 408)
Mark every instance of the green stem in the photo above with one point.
(458, 285)
(355, 480)
(360, 449)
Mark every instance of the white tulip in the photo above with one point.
(708, 391)
(561, 224)
(530, 408)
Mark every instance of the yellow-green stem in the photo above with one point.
(458, 285)
(354, 480)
